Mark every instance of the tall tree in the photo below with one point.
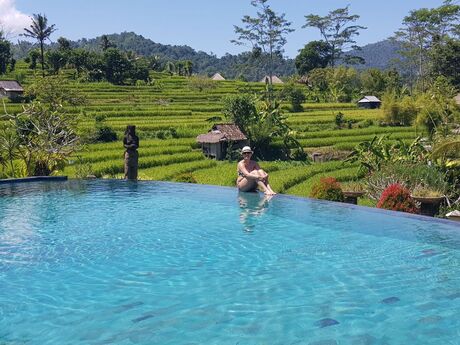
(6, 57)
(188, 68)
(316, 54)
(336, 30)
(424, 29)
(106, 43)
(265, 33)
(445, 61)
(79, 59)
(41, 31)
(116, 65)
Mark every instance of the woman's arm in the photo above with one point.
(242, 169)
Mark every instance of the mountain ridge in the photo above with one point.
(244, 65)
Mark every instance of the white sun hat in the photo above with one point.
(246, 149)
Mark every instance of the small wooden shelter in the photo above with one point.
(217, 77)
(11, 89)
(220, 138)
(275, 80)
(369, 102)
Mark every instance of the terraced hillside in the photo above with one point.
(169, 115)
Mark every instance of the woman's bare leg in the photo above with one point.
(246, 185)
(268, 189)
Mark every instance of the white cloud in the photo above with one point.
(12, 21)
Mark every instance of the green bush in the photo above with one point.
(105, 134)
(295, 95)
(327, 188)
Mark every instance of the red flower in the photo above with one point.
(397, 198)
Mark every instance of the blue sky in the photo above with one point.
(202, 24)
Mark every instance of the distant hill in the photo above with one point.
(377, 55)
(231, 66)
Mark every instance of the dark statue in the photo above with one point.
(131, 144)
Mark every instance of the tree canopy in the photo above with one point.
(336, 31)
(316, 54)
(266, 33)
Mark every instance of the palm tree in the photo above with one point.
(40, 31)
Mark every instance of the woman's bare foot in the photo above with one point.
(270, 189)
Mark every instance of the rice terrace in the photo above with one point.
(302, 189)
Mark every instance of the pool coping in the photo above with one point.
(33, 179)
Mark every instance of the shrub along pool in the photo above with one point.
(114, 262)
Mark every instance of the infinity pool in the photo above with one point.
(112, 262)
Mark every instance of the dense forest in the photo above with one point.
(242, 66)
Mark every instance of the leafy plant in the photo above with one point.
(424, 191)
(406, 174)
(46, 138)
(353, 186)
(397, 198)
(55, 92)
(372, 154)
(327, 189)
(9, 146)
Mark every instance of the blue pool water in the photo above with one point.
(112, 262)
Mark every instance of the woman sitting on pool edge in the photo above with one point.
(250, 175)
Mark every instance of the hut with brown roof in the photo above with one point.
(220, 138)
(11, 89)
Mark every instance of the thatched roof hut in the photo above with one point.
(216, 142)
(217, 77)
(275, 80)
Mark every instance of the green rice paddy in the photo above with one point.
(170, 104)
